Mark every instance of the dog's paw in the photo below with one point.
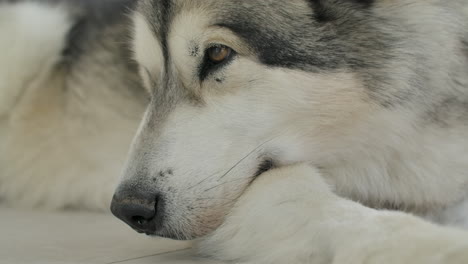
(264, 225)
(290, 215)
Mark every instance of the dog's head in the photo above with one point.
(238, 87)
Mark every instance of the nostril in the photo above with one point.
(139, 220)
(139, 216)
(140, 213)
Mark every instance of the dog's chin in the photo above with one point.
(175, 235)
(184, 235)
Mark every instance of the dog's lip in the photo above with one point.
(160, 233)
(169, 236)
(151, 234)
(145, 232)
(266, 165)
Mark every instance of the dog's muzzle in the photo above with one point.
(140, 210)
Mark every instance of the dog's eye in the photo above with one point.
(216, 57)
(218, 54)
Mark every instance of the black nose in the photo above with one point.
(138, 212)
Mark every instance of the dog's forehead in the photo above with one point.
(280, 33)
(308, 35)
(271, 15)
(256, 22)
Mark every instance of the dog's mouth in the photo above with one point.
(159, 230)
(265, 166)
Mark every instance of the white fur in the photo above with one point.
(290, 215)
(147, 51)
(32, 38)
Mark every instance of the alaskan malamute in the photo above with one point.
(263, 116)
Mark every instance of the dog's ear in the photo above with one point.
(329, 10)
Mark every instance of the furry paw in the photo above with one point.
(290, 215)
(263, 226)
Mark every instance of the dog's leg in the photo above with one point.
(290, 215)
(31, 41)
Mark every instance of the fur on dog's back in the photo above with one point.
(70, 100)
(28, 49)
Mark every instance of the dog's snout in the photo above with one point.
(138, 212)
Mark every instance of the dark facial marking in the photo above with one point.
(321, 11)
(165, 23)
(265, 166)
(365, 3)
(287, 36)
(329, 10)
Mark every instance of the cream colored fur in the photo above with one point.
(63, 133)
(29, 50)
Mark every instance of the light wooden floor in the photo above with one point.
(28, 237)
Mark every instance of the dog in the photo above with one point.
(371, 95)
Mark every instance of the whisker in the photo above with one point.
(213, 199)
(221, 205)
(236, 165)
(219, 171)
(224, 183)
(233, 167)
(248, 155)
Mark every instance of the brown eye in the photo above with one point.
(218, 54)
